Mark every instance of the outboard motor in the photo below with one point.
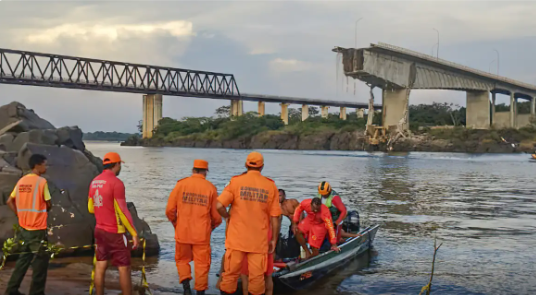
(351, 222)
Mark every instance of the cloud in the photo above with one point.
(85, 32)
(289, 65)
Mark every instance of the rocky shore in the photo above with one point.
(477, 141)
(71, 169)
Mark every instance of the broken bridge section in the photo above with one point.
(397, 70)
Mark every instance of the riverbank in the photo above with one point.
(438, 140)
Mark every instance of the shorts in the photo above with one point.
(269, 266)
(112, 246)
(315, 233)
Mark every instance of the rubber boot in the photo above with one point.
(186, 287)
(200, 292)
(224, 293)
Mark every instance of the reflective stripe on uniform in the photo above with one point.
(34, 201)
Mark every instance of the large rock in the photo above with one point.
(38, 136)
(15, 111)
(71, 169)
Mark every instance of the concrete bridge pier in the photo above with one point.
(304, 112)
(478, 110)
(493, 100)
(284, 113)
(324, 112)
(394, 107)
(342, 114)
(513, 110)
(533, 106)
(237, 108)
(152, 114)
(262, 108)
(360, 113)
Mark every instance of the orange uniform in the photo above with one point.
(315, 225)
(31, 194)
(192, 209)
(253, 199)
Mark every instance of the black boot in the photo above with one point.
(224, 293)
(186, 287)
(200, 292)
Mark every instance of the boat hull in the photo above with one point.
(304, 274)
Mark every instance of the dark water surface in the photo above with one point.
(480, 206)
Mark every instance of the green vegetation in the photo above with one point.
(436, 114)
(224, 127)
(107, 136)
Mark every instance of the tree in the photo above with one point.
(294, 115)
(313, 111)
(140, 126)
(223, 111)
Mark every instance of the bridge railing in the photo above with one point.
(454, 65)
(40, 69)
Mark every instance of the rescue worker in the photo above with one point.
(288, 206)
(336, 207)
(30, 200)
(254, 205)
(269, 283)
(107, 201)
(191, 208)
(314, 226)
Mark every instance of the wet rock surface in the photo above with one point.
(71, 169)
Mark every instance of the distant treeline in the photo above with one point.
(107, 136)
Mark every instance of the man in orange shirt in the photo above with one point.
(254, 204)
(30, 200)
(314, 226)
(192, 210)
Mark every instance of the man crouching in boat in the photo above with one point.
(314, 226)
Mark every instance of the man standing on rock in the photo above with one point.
(107, 201)
(30, 200)
(254, 204)
(192, 210)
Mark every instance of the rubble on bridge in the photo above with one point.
(71, 169)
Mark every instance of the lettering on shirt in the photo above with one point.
(96, 184)
(97, 199)
(194, 199)
(254, 194)
(25, 188)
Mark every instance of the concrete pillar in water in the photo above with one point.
(360, 113)
(533, 106)
(152, 114)
(284, 113)
(324, 112)
(477, 114)
(513, 110)
(262, 108)
(394, 107)
(237, 108)
(304, 112)
(493, 100)
(342, 114)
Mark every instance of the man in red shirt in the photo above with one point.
(314, 226)
(336, 207)
(107, 201)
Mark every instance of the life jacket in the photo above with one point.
(31, 206)
(335, 213)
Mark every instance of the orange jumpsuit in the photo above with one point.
(253, 199)
(192, 209)
(315, 225)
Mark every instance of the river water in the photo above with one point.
(481, 207)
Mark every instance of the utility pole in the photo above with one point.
(498, 60)
(437, 42)
(355, 46)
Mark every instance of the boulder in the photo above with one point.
(6, 140)
(71, 137)
(71, 169)
(16, 111)
(38, 136)
(144, 231)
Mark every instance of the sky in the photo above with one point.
(271, 47)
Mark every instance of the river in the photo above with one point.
(481, 207)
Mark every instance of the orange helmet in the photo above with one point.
(324, 188)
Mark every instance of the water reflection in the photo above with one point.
(481, 207)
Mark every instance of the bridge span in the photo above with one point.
(62, 71)
(398, 70)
